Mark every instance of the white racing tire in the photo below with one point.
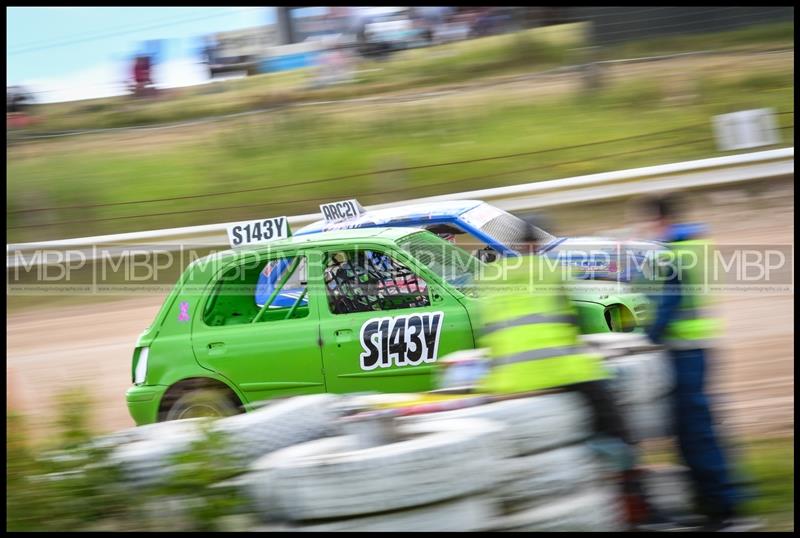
(149, 432)
(534, 424)
(279, 424)
(615, 341)
(474, 513)
(642, 371)
(597, 509)
(145, 453)
(649, 420)
(378, 400)
(142, 452)
(334, 477)
(548, 474)
(149, 461)
(669, 488)
(641, 377)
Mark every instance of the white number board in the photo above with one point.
(336, 211)
(746, 129)
(258, 231)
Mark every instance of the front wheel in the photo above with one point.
(202, 403)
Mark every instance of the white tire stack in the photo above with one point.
(279, 424)
(594, 509)
(532, 424)
(669, 488)
(145, 457)
(541, 477)
(551, 481)
(435, 478)
(642, 381)
(146, 453)
(148, 432)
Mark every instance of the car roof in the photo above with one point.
(381, 233)
(386, 232)
(420, 211)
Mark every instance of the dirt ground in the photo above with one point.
(51, 349)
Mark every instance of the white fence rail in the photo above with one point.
(762, 165)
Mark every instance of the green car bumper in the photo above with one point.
(143, 402)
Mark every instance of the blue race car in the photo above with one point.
(489, 232)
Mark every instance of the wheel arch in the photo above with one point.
(619, 317)
(177, 389)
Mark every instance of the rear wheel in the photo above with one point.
(202, 402)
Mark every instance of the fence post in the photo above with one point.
(591, 71)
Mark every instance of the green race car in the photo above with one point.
(360, 310)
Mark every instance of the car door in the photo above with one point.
(385, 322)
(266, 352)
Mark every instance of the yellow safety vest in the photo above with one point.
(694, 327)
(530, 328)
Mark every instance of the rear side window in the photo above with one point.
(452, 263)
(272, 274)
(233, 299)
(367, 280)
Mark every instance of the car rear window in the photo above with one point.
(508, 230)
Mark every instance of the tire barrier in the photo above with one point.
(669, 488)
(280, 424)
(145, 454)
(350, 463)
(487, 467)
(533, 424)
(337, 479)
(597, 509)
(641, 380)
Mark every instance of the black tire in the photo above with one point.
(203, 402)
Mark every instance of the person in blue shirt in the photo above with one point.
(684, 326)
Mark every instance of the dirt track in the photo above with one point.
(52, 349)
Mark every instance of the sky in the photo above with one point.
(79, 53)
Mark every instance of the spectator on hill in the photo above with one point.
(142, 76)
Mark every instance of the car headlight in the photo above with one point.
(620, 319)
(140, 373)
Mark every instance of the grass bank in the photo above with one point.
(520, 52)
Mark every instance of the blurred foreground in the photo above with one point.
(303, 464)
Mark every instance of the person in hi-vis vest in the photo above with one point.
(531, 331)
(685, 325)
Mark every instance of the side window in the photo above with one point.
(271, 276)
(366, 280)
(269, 291)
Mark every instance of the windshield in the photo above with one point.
(455, 265)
